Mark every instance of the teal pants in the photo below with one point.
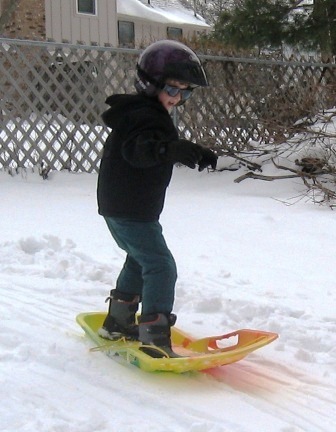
(149, 269)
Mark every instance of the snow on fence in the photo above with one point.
(52, 96)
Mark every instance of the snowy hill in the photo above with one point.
(244, 260)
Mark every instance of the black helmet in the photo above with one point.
(168, 59)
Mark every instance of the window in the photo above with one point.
(87, 7)
(126, 33)
(174, 33)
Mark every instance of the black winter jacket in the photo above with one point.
(133, 175)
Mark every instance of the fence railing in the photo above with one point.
(52, 96)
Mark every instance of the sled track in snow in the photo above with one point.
(53, 374)
(285, 392)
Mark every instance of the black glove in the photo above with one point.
(183, 151)
(209, 158)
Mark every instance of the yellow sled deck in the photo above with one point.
(198, 354)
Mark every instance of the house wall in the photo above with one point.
(7, 7)
(58, 20)
(147, 32)
(63, 23)
(26, 21)
(4, 4)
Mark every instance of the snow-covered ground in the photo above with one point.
(245, 260)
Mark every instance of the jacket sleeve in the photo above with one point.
(144, 150)
(146, 143)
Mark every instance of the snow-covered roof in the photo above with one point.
(166, 12)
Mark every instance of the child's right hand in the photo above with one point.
(189, 154)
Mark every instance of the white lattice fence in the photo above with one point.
(52, 97)
(257, 100)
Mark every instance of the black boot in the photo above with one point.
(154, 329)
(120, 320)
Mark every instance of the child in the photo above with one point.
(135, 171)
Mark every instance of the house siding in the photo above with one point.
(146, 32)
(66, 14)
(58, 20)
(63, 23)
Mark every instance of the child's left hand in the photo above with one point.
(209, 158)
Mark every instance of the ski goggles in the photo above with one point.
(174, 91)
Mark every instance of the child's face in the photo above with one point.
(169, 101)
